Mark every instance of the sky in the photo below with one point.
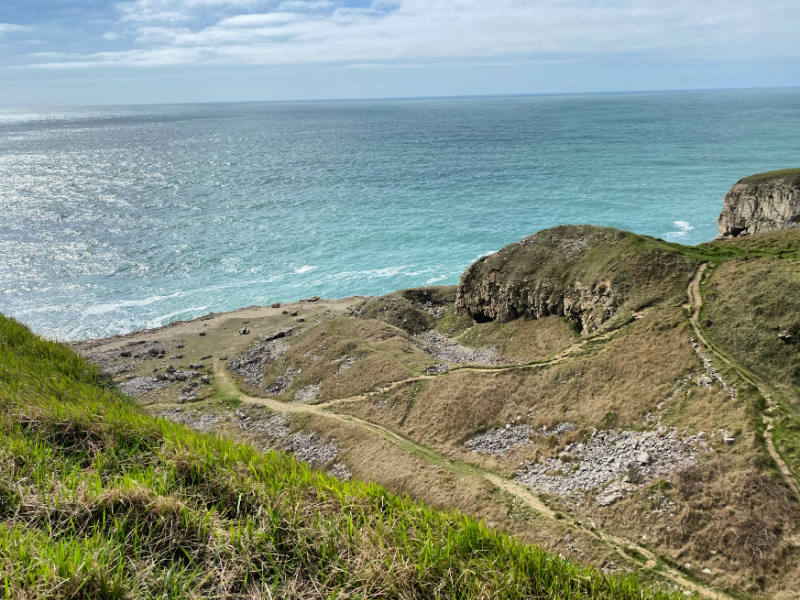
(88, 52)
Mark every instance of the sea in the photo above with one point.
(115, 219)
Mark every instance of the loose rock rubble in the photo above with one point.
(444, 348)
(267, 349)
(275, 427)
(308, 394)
(308, 448)
(282, 382)
(559, 429)
(139, 386)
(346, 363)
(711, 373)
(623, 459)
(500, 441)
(436, 311)
(340, 471)
(200, 422)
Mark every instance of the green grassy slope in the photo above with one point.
(98, 500)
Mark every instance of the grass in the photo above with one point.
(524, 340)
(788, 176)
(380, 353)
(98, 500)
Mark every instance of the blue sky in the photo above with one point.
(63, 52)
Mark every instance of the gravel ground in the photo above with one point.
(444, 348)
(623, 459)
(501, 440)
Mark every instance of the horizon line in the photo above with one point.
(408, 98)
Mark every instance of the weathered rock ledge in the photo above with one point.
(581, 272)
(760, 203)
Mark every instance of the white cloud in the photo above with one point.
(10, 28)
(296, 31)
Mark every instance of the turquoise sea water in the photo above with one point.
(114, 219)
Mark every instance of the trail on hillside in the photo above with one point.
(623, 547)
(695, 304)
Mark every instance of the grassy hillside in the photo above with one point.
(752, 312)
(99, 500)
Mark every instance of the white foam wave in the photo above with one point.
(164, 319)
(435, 279)
(304, 269)
(684, 228)
(101, 309)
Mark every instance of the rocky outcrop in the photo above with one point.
(583, 273)
(761, 203)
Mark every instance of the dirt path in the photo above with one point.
(695, 304)
(521, 492)
(555, 359)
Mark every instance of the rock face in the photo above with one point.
(583, 273)
(761, 203)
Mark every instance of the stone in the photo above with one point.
(202, 333)
(170, 369)
(275, 305)
(125, 353)
(196, 366)
(244, 330)
(761, 203)
(643, 458)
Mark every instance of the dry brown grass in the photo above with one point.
(382, 353)
(627, 377)
(748, 304)
(523, 340)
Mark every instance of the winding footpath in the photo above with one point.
(621, 546)
(695, 304)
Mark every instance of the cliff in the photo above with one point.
(760, 203)
(583, 273)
